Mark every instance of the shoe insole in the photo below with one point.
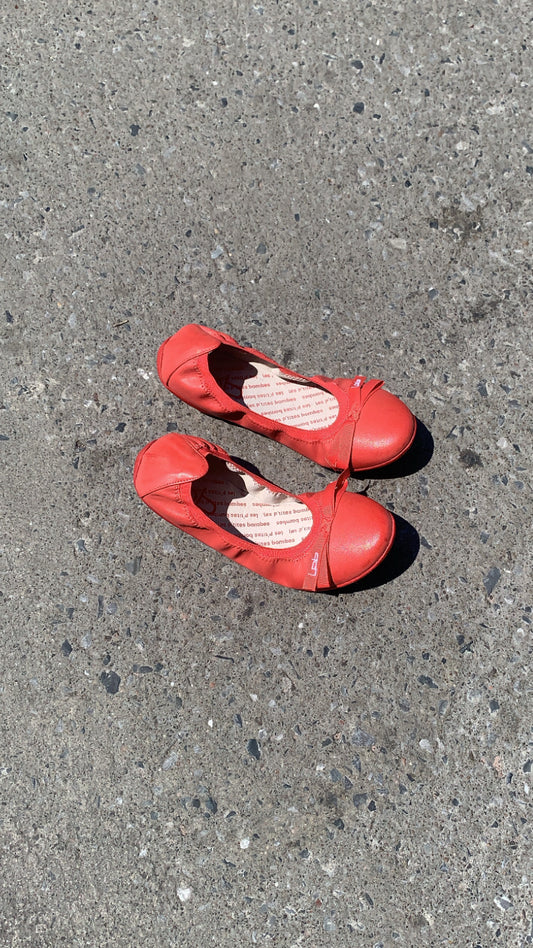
(265, 390)
(237, 503)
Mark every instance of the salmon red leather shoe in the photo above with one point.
(314, 541)
(339, 423)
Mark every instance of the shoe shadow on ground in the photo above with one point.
(402, 555)
(418, 455)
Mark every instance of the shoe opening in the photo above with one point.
(266, 390)
(238, 503)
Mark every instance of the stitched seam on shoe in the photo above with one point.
(209, 391)
(185, 505)
(282, 430)
(182, 501)
(294, 437)
(264, 553)
(187, 359)
(289, 558)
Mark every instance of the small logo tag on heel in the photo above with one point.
(314, 565)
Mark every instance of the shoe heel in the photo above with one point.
(138, 460)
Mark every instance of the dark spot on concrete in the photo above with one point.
(481, 309)
(211, 805)
(426, 680)
(110, 681)
(135, 129)
(491, 579)
(463, 225)
(361, 739)
(254, 748)
(469, 458)
(359, 107)
(66, 648)
(134, 565)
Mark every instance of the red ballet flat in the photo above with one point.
(314, 541)
(339, 423)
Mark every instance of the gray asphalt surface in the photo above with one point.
(190, 755)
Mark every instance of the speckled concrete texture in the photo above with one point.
(190, 755)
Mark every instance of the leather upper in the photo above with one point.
(172, 462)
(372, 427)
(350, 533)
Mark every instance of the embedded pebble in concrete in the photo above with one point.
(207, 758)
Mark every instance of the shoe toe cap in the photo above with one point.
(384, 431)
(361, 536)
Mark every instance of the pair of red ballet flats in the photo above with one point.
(315, 541)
